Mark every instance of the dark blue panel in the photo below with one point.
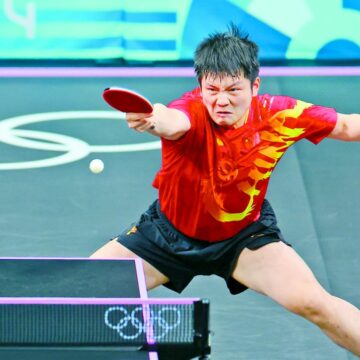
(206, 16)
(162, 17)
(85, 16)
(83, 44)
(339, 49)
(351, 4)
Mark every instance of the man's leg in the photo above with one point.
(277, 271)
(114, 250)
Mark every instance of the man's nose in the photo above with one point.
(222, 99)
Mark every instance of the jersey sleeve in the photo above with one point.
(309, 121)
(320, 121)
(191, 104)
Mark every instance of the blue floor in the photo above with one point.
(66, 211)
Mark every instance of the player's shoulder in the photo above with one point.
(275, 102)
(189, 101)
(192, 96)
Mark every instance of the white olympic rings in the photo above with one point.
(130, 325)
(75, 149)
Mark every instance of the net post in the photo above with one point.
(201, 327)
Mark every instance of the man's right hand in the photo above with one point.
(140, 122)
(164, 122)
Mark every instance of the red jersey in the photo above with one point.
(213, 180)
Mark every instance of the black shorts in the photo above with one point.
(180, 258)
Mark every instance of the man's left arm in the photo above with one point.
(347, 128)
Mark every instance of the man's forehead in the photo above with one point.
(223, 79)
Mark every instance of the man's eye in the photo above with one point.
(234, 89)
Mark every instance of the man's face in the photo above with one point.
(228, 98)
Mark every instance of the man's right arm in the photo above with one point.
(164, 122)
(347, 127)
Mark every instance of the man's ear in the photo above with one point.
(256, 86)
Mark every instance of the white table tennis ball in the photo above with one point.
(96, 166)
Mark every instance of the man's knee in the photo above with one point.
(312, 305)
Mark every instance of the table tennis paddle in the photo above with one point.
(127, 101)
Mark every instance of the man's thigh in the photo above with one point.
(277, 271)
(114, 250)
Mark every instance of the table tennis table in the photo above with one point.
(79, 308)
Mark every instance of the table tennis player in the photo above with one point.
(220, 145)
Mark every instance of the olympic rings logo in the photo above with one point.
(71, 149)
(130, 325)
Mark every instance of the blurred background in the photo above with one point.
(126, 31)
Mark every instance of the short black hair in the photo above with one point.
(227, 53)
